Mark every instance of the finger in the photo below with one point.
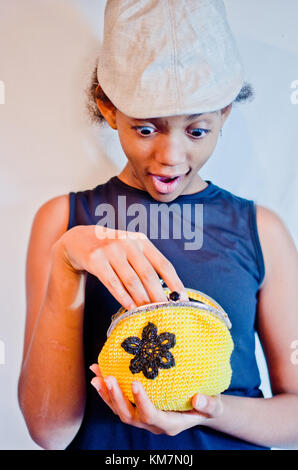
(171, 423)
(100, 267)
(164, 268)
(95, 369)
(122, 406)
(99, 385)
(124, 409)
(148, 275)
(131, 280)
(147, 412)
(209, 406)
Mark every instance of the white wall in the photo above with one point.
(48, 148)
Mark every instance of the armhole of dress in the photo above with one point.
(256, 241)
(71, 217)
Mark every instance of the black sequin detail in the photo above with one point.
(151, 352)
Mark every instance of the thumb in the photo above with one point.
(207, 405)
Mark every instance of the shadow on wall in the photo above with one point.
(47, 149)
(257, 155)
(46, 64)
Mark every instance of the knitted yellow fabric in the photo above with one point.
(175, 349)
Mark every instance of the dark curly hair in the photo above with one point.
(246, 94)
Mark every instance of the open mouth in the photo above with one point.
(164, 179)
(164, 184)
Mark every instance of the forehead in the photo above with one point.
(179, 119)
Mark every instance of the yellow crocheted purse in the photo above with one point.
(174, 348)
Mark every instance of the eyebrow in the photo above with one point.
(193, 116)
(188, 118)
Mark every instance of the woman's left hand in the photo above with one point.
(145, 415)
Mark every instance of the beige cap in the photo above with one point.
(168, 57)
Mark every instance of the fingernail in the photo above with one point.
(108, 384)
(132, 307)
(201, 402)
(96, 384)
(135, 387)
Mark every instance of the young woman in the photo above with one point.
(79, 272)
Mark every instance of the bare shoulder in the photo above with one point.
(55, 209)
(276, 241)
(267, 219)
(49, 224)
(277, 323)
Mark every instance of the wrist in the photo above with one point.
(61, 258)
(66, 285)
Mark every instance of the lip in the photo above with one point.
(163, 187)
(167, 176)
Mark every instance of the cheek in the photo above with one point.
(205, 149)
(213, 143)
(134, 148)
(210, 143)
(127, 145)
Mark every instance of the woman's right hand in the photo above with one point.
(127, 263)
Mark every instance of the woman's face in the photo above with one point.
(173, 146)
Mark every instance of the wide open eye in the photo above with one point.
(198, 133)
(144, 130)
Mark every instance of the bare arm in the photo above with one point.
(266, 422)
(53, 335)
(271, 422)
(52, 379)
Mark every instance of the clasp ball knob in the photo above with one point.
(174, 296)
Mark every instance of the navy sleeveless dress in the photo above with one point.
(224, 260)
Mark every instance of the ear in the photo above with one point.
(225, 112)
(106, 107)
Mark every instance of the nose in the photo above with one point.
(171, 151)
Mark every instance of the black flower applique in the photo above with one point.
(151, 352)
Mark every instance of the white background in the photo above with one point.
(48, 148)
